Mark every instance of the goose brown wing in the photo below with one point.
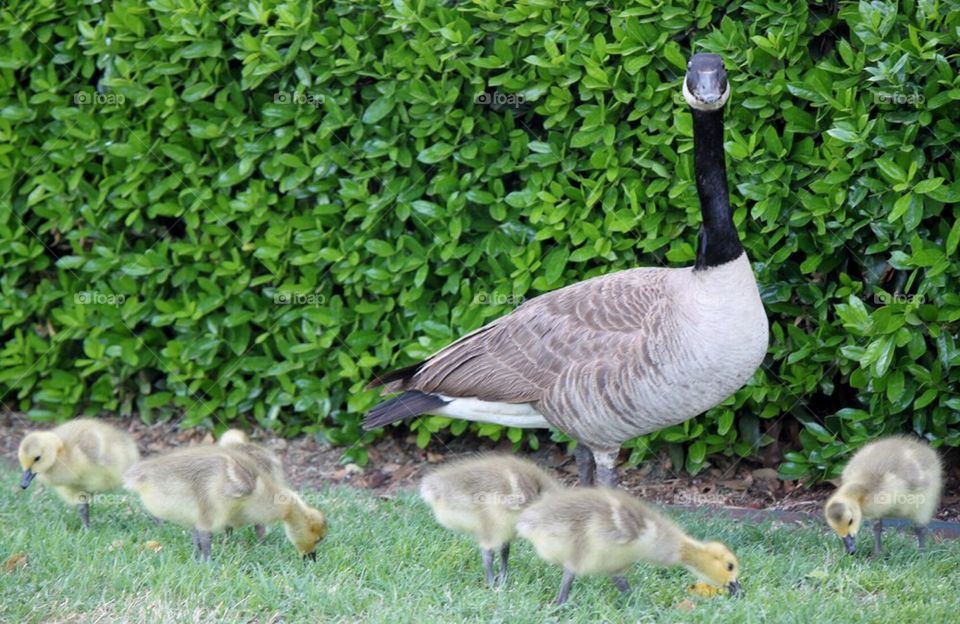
(515, 358)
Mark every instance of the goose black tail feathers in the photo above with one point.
(408, 405)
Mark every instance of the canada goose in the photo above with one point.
(605, 531)
(483, 497)
(210, 488)
(615, 356)
(78, 459)
(896, 477)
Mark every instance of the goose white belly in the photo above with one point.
(523, 415)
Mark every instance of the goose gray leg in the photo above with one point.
(586, 467)
(84, 510)
(621, 584)
(201, 544)
(565, 584)
(877, 530)
(488, 565)
(504, 558)
(921, 532)
(607, 467)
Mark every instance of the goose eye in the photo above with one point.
(730, 567)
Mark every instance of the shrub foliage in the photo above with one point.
(243, 210)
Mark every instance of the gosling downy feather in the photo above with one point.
(483, 496)
(895, 477)
(616, 356)
(78, 459)
(210, 488)
(606, 531)
(266, 459)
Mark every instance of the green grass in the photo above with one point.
(387, 561)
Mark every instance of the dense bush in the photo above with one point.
(244, 210)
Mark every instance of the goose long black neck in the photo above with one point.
(719, 241)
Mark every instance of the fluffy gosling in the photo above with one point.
(211, 488)
(483, 497)
(896, 477)
(78, 459)
(266, 460)
(605, 531)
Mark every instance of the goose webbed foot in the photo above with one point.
(877, 531)
(621, 584)
(586, 466)
(201, 544)
(487, 554)
(84, 510)
(565, 584)
(501, 578)
(921, 533)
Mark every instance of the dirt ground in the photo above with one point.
(396, 464)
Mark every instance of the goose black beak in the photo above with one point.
(851, 544)
(734, 588)
(706, 80)
(28, 476)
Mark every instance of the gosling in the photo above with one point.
(210, 488)
(896, 477)
(605, 531)
(267, 461)
(78, 459)
(483, 496)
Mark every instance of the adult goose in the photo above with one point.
(615, 356)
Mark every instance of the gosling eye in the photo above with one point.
(850, 523)
(37, 458)
(730, 567)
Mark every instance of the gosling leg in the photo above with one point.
(84, 510)
(565, 584)
(877, 531)
(586, 466)
(260, 530)
(201, 544)
(488, 565)
(621, 584)
(607, 467)
(504, 558)
(921, 532)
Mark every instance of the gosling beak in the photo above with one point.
(312, 556)
(851, 543)
(733, 587)
(28, 476)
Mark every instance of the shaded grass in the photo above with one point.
(387, 561)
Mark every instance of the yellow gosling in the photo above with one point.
(78, 459)
(211, 488)
(896, 477)
(482, 497)
(605, 531)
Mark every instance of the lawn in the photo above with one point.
(387, 561)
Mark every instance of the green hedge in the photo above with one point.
(245, 210)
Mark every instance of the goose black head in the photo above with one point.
(705, 87)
